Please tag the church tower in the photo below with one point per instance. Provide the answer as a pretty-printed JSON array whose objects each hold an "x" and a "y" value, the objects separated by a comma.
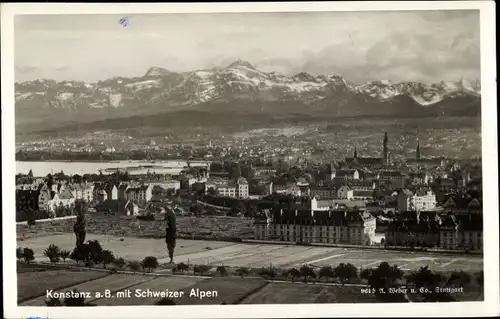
[
  {"x": 386, "y": 150},
  {"x": 418, "y": 151}
]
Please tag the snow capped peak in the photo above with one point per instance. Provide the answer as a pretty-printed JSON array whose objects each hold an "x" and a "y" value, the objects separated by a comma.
[
  {"x": 240, "y": 63},
  {"x": 304, "y": 76},
  {"x": 157, "y": 71}
]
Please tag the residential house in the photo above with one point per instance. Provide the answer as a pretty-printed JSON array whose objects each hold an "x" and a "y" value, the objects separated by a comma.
[
  {"x": 420, "y": 200},
  {"x": 396, "y": 178},
  {"x": 110, "y": 189},
  {"x": 463, "y": 206},
  {"x": 122, "y": 190},
  {"x": 351, "y": 174},
  {"x": 139, "y": 194},
  {"x": 26, "y": 200},
  {"x": 345, "y": 192},
  {"x": 64, "y": 198},
  {"x": 132, "y": 209},
  {"x": 266, "y": 170},
  {"x": 362, "y": 194},
  {"x": 420, "y": 179},
  {"x": 44, "y": 197},
  {"x": 289, "y": 189},
  {"x": 323, "y": 192}
]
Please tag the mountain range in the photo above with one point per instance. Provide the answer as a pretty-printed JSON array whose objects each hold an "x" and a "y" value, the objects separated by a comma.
[{"x": 238, "y": 89}]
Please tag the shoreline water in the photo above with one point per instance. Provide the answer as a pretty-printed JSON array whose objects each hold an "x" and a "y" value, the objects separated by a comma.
[{"x": 43, "y": 168}]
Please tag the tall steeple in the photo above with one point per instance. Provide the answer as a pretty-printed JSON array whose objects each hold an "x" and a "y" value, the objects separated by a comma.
[
  {"x": 355, "y": 152},
  {"x": 386, "y": 150},
  {"x": 418, "y": 151}
]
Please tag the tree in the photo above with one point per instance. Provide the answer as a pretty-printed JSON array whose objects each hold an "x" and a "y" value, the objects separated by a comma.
[
  {"x": 182, "y": 267},
  {"x": 19, "y": 254},
  {"x": 242, "y": 271},
  {"x": 80, "y": 253},
  {"x": 65, "y": 254},
  {"x": 134, "y": 265},
  {"x": 384, "y": 277},
  {"x": 201, "y": 269},
  {"x": 424, "y": 278},
  {"x": 306, "y": 272},
  {"x": 76, "y": 300},
  {"x": 119, "y": 262},
  {"x": 77, "y": 179},
  {"x": 30, "y": 174},
  {"x": 149, "y": 263},
  {"x": 28, "y": 255},
  {"x": 365, "y": 274},
  {"x": 53, "y": 302},
  {"x": 345, "y": 272},
  {"x": 326, "y": 272},
  {"x": 52, "y": 252},
  {"x": 106, "y": 257},
  {"x": 480, "y": 278},
  {"x": 165, "y": 302},
  {"x": 294, "y": 273},
  {"x": 222, "y": 271},
  {"x": 459, "y": 278},
  {"x": 94, "y": 250}
]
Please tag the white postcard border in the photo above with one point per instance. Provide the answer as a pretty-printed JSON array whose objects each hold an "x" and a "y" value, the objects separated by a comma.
[{"x": 490, "y": 306}]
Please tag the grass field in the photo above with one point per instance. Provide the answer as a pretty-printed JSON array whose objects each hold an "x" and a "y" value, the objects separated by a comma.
[
  {"x": 257, "y": 255},
  {"x": 35, "y": 284},
  {"x": 293, "y": 293}
]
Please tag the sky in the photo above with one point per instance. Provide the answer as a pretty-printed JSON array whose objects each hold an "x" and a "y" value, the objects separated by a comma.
[{"x": 425, "y": 46}]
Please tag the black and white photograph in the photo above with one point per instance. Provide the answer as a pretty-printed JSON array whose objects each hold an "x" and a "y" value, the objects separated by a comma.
[{"x": 248, "y": 157}]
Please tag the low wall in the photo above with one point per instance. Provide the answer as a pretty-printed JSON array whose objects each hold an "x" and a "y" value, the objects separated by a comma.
[
  {"x": 212, "y": 206},
  {"x": 47, "y": 220}
]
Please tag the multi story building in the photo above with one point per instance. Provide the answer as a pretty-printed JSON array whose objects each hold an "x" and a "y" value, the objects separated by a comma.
[
  {"x": 463, "y": 206},
  {"x": 44, "y": 197},
  {"x": 110, "y": 189},
  {"x": 420, "y": 200},
  {"x": 396, "y": 178},
  {"x": 62, "y": 199},
  {"x": 323, "y": 192},
  {"x": 305, "y": 226},
  {"x": 416, "y": 229},
  {"x": 345, "y": 192},
  {"x": 140, "y": 194},
  {"x": 463, "y": 232},
  {"x": 290, "y": 189},
  {"x": 236, "y": 189}
]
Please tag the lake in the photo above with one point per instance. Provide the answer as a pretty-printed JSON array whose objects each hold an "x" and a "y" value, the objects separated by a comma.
[{"x": 71, "y": 168}]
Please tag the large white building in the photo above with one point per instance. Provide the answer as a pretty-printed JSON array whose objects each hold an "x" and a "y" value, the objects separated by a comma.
[
  {"x": 421, "y": 200},
  {"x": 238, "y": 189},
  {"x": 307, "y": 226}
]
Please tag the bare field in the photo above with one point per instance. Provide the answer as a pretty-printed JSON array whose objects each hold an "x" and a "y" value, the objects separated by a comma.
[
  {"x": 258, "y": 255},
  {"x": 187, "y": 226}
]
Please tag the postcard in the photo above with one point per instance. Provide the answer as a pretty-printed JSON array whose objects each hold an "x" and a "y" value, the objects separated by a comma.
[{"x": 249, "y": 160}]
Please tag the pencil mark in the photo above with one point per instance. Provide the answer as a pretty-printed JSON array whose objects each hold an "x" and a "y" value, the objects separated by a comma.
[{"x": 124, "y": 21}]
